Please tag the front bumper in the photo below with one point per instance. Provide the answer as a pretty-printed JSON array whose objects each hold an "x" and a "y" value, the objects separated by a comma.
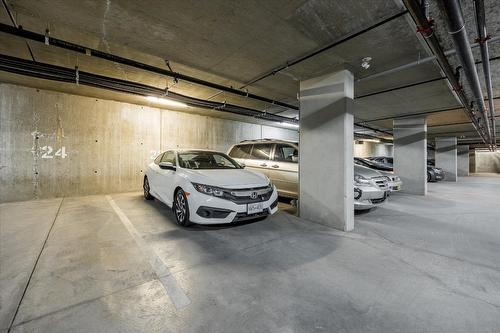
[
  {"x": 370, "y": 197},
  {"x": 225, "y": 211},
  {"x": 395, "y": 186}
]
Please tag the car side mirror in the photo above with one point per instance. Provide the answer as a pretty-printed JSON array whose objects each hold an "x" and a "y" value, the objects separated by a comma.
[
  {"x": 295, "y": 158},
  {"x": 167, "y": 166}
]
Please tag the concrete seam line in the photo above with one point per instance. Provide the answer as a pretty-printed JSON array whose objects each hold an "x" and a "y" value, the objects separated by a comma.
[
  {"x": 34, "y": 266},
  {"x": 174, "y": 291}
]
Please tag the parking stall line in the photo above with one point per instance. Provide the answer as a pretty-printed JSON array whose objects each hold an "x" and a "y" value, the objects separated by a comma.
[{"x": 174, "y": 291}]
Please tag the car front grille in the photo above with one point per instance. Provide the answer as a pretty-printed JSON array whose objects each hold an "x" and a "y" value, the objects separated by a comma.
[
  {"x": 381, "y": 182},
  {"x": 245, "y": 216},
  {"x": 376, "y": 201},
  {"x": 248, "y": 195}
]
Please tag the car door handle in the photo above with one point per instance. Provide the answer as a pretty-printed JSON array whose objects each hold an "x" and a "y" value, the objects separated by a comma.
[
  {"x": 263, "y": 165},
  {"x": 275, "y": 166}
]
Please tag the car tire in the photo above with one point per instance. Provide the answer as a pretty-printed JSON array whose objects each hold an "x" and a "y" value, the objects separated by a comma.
[
  {"x": 181, "y": 208},
  {"x": 146, "y": 188},
  {"x": 428, "y": 177}
]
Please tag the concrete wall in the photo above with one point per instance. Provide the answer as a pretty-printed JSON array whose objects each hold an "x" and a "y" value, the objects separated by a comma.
[
  {"x": 368, "y": 149},
  {"x": 486, "y": 161},
  {"x": 107, "y": 143}
]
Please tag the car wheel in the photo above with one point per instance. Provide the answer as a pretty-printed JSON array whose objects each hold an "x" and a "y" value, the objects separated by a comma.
[
  {"x": 146, "y": 188},
  {"x": 181, "y": 208},
  {"x": 428, "y": 177}
]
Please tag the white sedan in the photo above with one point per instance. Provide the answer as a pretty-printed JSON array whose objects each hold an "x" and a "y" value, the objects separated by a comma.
[{"x": 208, "y": 187}]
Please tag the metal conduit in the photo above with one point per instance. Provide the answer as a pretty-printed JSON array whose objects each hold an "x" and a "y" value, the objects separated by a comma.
[
  {"x": 419, "y": 62},
  {"x": 485, "y": 57},
  {"x": 456, "y": 25},
  {"x": 132, "y": 63},
  {"x": 69, "y": 75}
]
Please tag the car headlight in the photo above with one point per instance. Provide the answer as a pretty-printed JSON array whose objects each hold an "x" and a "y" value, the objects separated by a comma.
[
  {"x": 209, "y": 190},
  {"x": 396, "y": 178},
  {"x": 360, "y": 180},
  {"x": 357, "y": 193}
]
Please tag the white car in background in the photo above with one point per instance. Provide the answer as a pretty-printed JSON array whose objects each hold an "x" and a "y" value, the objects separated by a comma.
[
  {"x": 371, "y": 188},
  {"x": 208, "y": 187}
]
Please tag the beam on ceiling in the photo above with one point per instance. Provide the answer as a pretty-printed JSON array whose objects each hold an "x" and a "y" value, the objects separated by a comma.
[
  {"x": 136, "y": 64},
  {"x": 401, "y": 87},
  {"x": 325, "y": 48}
]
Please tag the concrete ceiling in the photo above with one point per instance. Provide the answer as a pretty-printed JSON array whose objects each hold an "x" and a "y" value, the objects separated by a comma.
[{"x": 234, "y": 42}]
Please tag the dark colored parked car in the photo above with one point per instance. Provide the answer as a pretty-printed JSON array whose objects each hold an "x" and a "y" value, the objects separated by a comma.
[
  {"x": 372, "y": 164},
  {"x": 433, "y": 174}
]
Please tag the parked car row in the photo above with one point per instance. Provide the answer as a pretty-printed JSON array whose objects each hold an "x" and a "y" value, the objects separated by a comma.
[
  {"x": 278, "y": 159},
  {"x": 433, "y": 174},
  {"x": 209, "y": 187}
]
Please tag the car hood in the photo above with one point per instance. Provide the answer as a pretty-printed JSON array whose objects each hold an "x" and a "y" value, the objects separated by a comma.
[
  {"x": 229, "y": 178},
  {"x": 387, "y": 173},
  {"x": 365, "y": 172}
]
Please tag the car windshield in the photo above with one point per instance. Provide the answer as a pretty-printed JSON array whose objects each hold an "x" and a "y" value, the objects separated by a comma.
[{"x": 206, "y": 160}]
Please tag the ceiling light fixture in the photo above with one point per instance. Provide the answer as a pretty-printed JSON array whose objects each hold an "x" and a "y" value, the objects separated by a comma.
[
  {"x": 365, "y": 62},
  {"x": 290, "y": 125},
  {"x": 166, "y": 101}
]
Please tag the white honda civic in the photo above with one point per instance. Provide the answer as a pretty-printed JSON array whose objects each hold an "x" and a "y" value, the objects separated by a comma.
[{"x": 208, "y": 187}]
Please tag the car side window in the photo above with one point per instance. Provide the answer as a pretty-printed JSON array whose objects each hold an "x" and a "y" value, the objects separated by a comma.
[
  {"x": 158, "y": 159},
  {"x": 169, "y": 156},
  {"x": 241, "y": 151},
  {"x": 261, "y": 151},
  {"x": 285, "y": 153}
]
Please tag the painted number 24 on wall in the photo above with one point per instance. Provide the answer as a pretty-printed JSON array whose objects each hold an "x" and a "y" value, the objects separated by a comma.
[{"x": 48, "y": 152}]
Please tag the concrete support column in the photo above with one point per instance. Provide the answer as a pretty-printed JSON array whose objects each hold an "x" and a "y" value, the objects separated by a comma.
[
  {"x": 446, "y": 157},
  {"x": 326, "y": 169},
  {"x": 463, "y": 161},
  {"x": 410, "y": 154}
]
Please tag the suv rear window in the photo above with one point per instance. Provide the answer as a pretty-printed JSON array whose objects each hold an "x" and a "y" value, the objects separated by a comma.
[
  {"x": 241, "y": 151},
  {"x": 285, "y": 153}
]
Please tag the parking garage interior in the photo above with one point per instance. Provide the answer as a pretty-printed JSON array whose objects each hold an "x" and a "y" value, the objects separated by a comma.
[{"x": 92, "y": 93}]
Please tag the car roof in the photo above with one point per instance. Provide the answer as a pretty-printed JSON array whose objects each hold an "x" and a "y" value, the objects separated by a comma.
[
  {"x": 268, "y": 141},
  {"x": 186, "y": 150}
]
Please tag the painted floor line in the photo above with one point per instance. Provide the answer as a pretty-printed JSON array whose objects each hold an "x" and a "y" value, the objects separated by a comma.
[{"x": 174, "y": 291}]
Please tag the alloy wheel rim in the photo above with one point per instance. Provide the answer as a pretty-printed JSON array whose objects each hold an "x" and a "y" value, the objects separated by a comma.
[{"x": 180, "y": 207}]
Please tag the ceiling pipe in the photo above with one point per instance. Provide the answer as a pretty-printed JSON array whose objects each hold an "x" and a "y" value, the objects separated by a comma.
[
  {"x": 418, "y": 62},
  {"x": 485, "y": 57},
  {"x": 69, "y": 75},
  {"x": 456, "y": 25},
  {"x": 20, "y": 32},
  {"x": 425, "y": 27}
]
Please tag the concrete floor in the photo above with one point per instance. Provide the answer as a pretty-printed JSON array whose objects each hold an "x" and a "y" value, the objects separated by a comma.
[{"x": 119, "y": 264}]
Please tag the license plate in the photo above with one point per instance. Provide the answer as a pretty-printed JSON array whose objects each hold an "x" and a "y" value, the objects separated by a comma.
[{"x": 253, "y": 208}]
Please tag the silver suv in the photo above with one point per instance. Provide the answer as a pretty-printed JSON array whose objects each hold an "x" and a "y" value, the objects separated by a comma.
[{"x": 278, "y": 160}]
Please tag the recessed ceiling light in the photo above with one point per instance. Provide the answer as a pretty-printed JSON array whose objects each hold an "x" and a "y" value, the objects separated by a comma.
[{"x": 166, "y": 101}]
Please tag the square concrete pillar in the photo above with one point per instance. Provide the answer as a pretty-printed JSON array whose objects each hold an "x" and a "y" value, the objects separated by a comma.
[
  {"x": 326, "y": 167},
  {"x": 446, "y": 157},
  {"x": 463, "y": 161},
  {"x": 410, "y": 154}
]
